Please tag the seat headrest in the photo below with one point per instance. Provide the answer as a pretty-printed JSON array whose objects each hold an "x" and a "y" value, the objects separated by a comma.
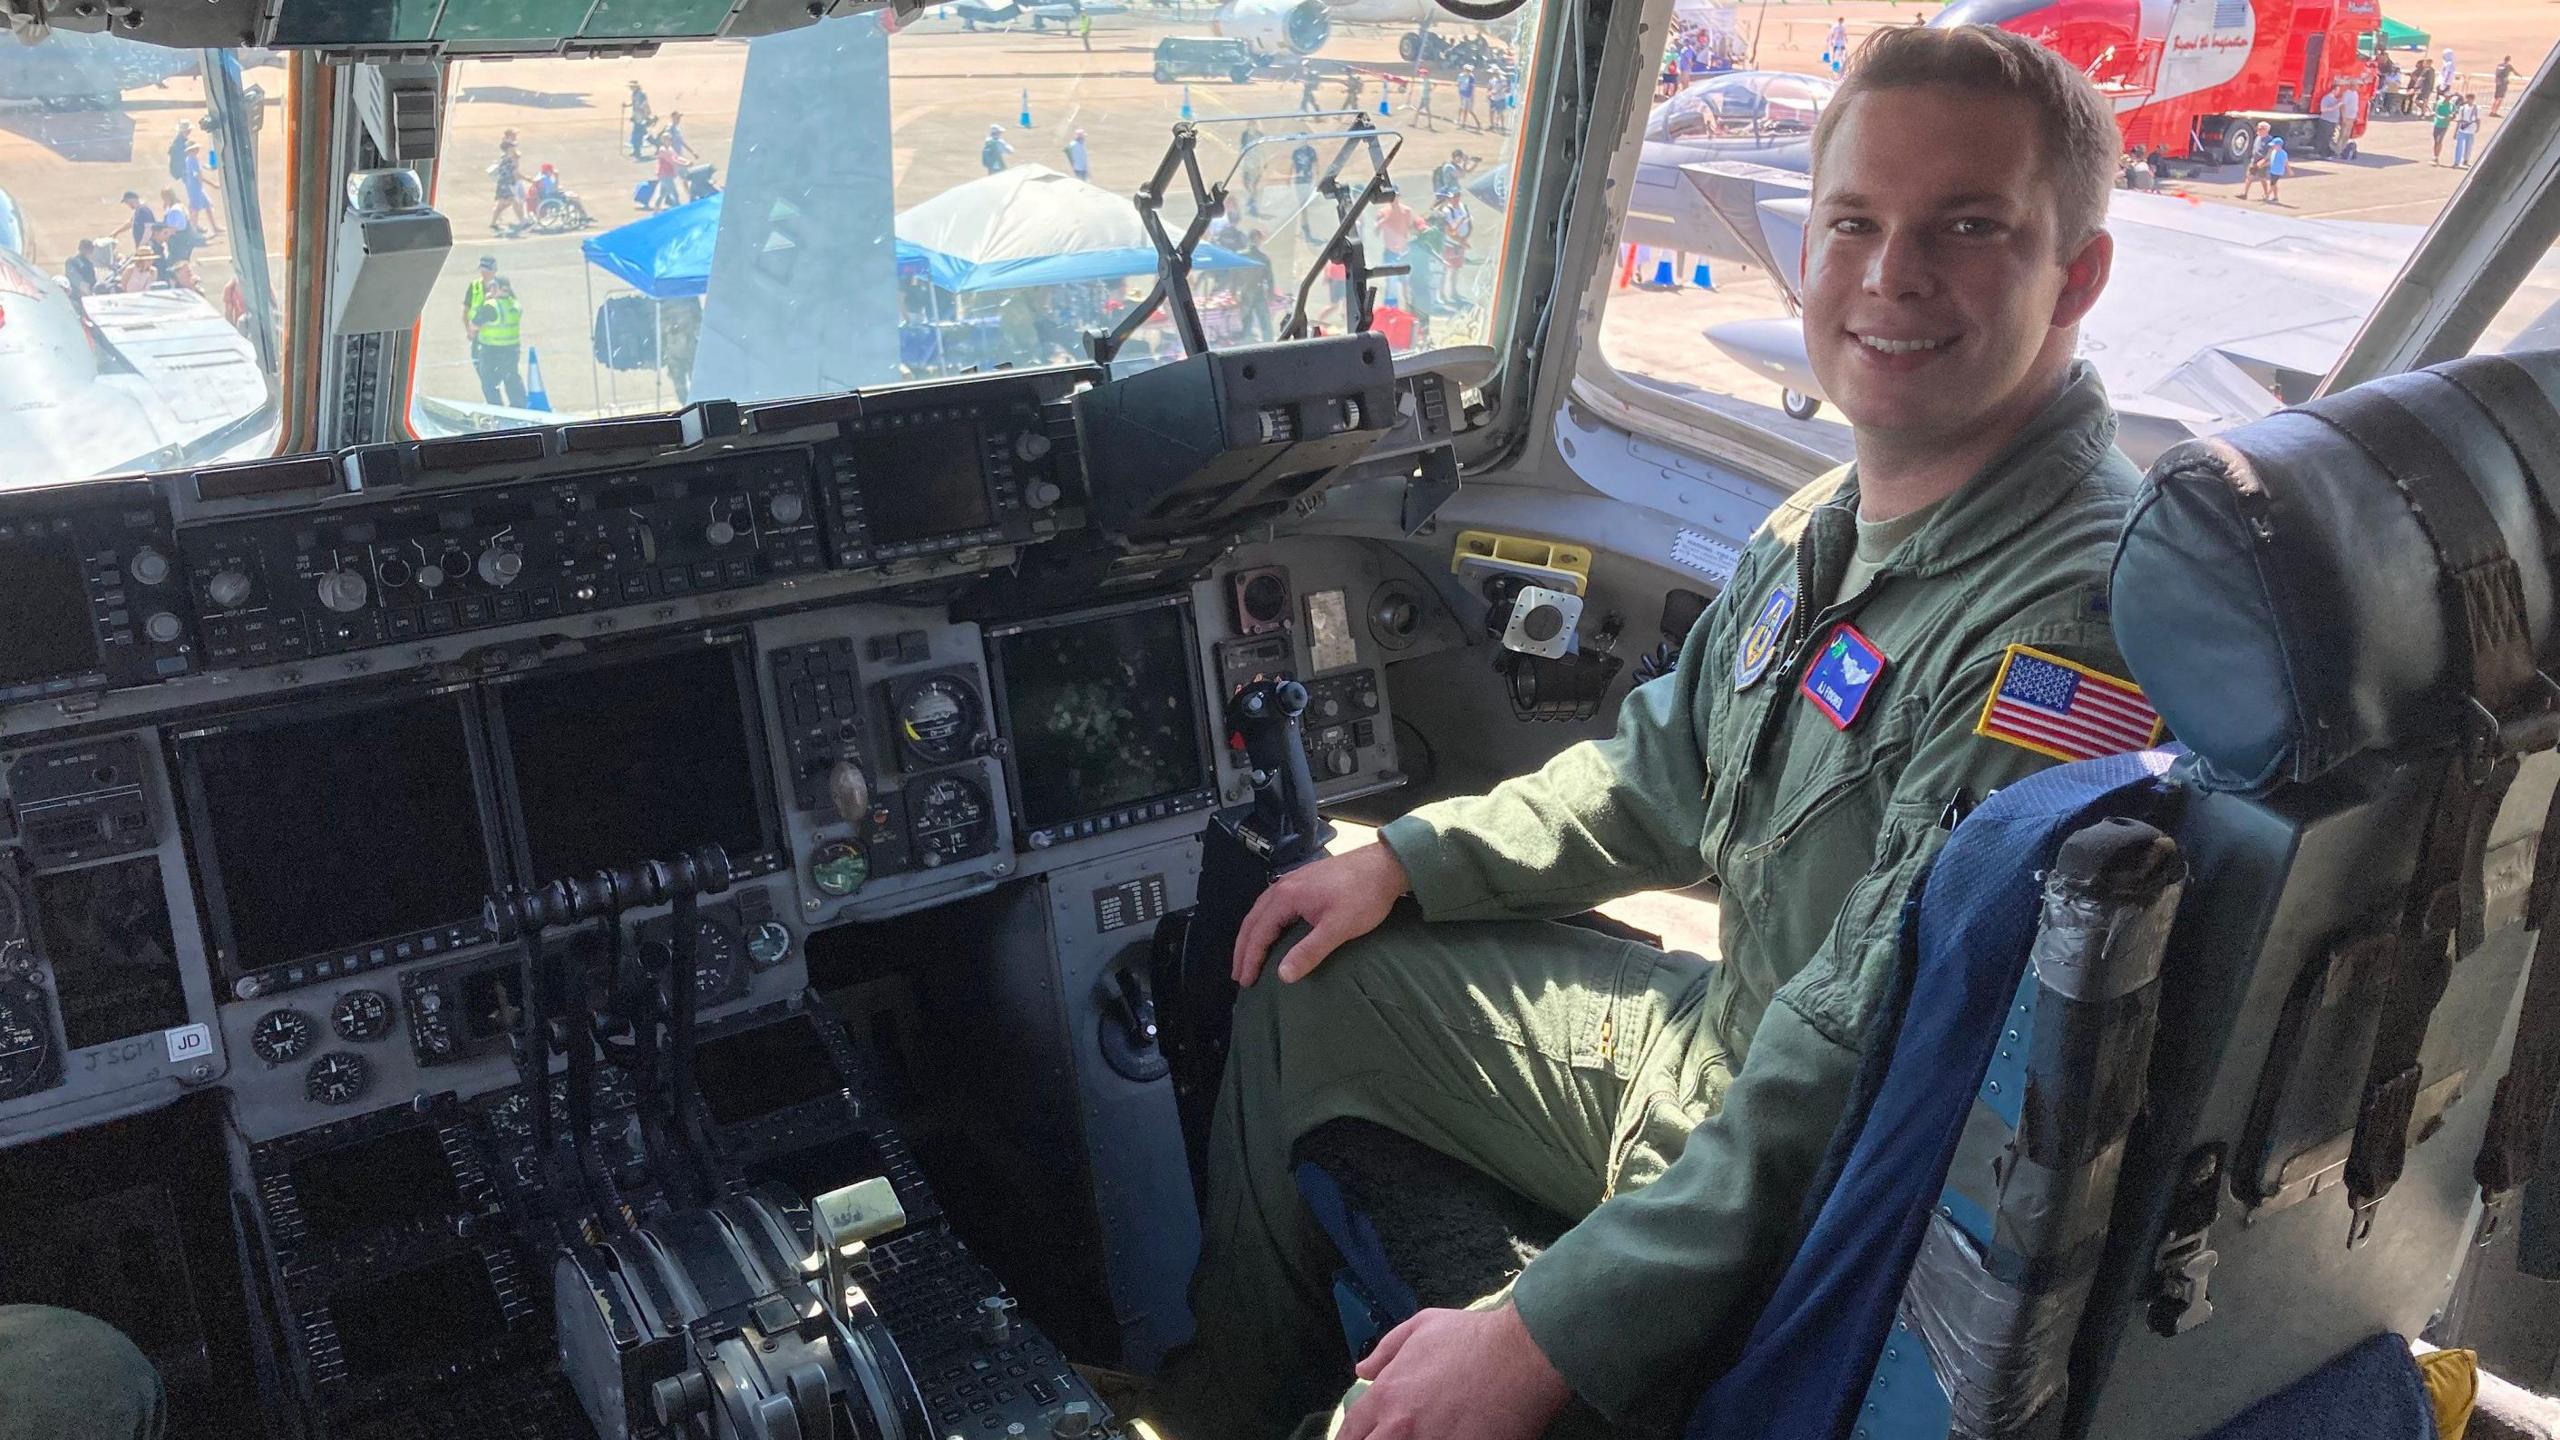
[{"x": 2284, "y": 603}]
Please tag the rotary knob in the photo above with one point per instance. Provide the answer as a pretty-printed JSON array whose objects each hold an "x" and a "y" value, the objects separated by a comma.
[
  {"x": 1331, "y": 708},
  {"x": 431, "y": 577},
  {"x": 719, "y": 533},
  {"x": 149, "y": 567},
  {"x": 164, "y": 628},
  {"x": 1366, "y": 699},
  {"x": 787, "y": 508},
  {"x": 1031, "y": 445},
  {"x": 1040, "y": 494},
  {"x": 1340, "y": 762},
  {"x": 500, "y": 567},
  {"x": 345, "y": 591},
  {"x": 456, "y": 565},
  {"x": 228, "y": 589}
]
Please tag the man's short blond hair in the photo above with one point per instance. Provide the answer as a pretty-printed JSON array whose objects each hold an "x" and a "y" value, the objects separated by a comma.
[{"x": 2071, "y": 117}]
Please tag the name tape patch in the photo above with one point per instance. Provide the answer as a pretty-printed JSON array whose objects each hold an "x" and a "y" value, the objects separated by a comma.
[{"x": 1842, "y": 677}]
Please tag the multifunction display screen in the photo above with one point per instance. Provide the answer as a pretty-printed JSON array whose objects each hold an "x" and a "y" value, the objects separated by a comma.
[
  {"x": 331, "y": 830},
  {"x": 1103, "y": 713},
  {"x": 923, "y": 481},
  {"x": 644, "y": 760},
  {"x": 49, "y": 631}
]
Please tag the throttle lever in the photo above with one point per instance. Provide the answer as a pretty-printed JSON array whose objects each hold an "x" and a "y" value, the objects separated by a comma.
[{"x": 1264, "y": 718}]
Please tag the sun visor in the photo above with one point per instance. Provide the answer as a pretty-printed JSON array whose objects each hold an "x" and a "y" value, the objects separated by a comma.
[{"x": 2280, "y": 596}]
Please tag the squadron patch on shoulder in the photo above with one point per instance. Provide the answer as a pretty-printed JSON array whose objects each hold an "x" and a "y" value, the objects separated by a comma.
[
  {"x": 1760, "y": 642},
  {"x": 1840, "y": 679},
  {"x": 2064, "y": 709}
]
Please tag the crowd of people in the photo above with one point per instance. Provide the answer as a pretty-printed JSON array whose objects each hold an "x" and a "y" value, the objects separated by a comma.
[{"x": 157, "y": 243}]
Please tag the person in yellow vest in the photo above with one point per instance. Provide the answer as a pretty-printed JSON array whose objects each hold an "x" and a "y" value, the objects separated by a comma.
[{"x": 497, "y": 344}]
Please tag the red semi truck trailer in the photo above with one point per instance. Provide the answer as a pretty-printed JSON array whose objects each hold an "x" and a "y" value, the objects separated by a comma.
[{"x": 2196, "y": 76}]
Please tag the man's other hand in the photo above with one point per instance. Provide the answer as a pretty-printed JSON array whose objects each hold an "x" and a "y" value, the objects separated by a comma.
[
  {"x": 1457, "y": 1375},
  {"x": 1342, "y": 896}
]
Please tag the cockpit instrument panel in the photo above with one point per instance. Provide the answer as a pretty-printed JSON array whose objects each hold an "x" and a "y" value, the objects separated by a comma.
[
  {"x": 95, "y": 598},
  {"x": 1106, "y": 720},
  {"x": 946, "y": 467},
  {"x": 354, "y": 575}
]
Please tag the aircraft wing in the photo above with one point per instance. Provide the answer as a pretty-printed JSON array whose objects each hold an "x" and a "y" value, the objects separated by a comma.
[{"x": 160, "y": 379}]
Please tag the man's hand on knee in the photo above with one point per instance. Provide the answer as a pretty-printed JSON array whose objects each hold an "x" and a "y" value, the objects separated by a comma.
[
  {"x": 1342, "y": 897},
  {"x": 1457, "y": 1375}
]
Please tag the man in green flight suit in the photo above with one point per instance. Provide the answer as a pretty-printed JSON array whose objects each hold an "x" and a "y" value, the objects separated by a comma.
[{"x": 1904, "y": 636}]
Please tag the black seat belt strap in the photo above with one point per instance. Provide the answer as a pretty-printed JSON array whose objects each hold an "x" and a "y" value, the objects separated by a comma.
[
  {"x": 2511, "y": 1148},
  {"x": 2444, "y": 915}
]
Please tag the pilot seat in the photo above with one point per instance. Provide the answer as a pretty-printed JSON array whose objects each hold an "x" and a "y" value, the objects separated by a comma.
[{"x": 2204, "y": 1078}]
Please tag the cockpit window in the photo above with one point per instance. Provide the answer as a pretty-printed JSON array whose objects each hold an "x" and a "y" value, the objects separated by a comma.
[
  {"x": 2278, "y": 165},
  {"x": 858, "y": 203},
  {"x": 141, "y": 256}
]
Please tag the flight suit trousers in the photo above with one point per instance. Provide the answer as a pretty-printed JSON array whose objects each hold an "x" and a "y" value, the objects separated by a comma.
[
  {"x": 1564, "y": 1063},
  {"x": 66, "y": 1376}
]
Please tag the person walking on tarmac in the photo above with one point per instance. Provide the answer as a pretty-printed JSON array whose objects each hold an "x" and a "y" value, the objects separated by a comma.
[
  {"x": 2442, "y": 115},
  {"x": 642, "y": 117},
  {"x": 1824, "y": 722},
  {"x": 497, "y": 344},
  {"x": 993, "y": 154},
  {"x": 2499, "y": 80},
  {"x": 1084, "y": 30}
]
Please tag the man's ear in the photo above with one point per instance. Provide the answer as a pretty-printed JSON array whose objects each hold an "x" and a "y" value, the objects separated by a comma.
[{"x": 2084, "y": 279}]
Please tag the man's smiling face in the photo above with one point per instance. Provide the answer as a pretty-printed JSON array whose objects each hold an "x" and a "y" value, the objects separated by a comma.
[{"x": 1935, "y": 276}]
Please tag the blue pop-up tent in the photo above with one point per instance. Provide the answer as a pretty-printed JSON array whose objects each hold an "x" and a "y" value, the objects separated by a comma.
[{"x": 664, "y": 255}]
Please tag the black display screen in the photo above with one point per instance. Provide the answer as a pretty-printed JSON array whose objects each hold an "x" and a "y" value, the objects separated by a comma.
[
  {"x": 105, "y": 931},
  {"x": 752, "y": 1074},
  {"x": 340, "y": 828},
  {"x": 639, "y": 761},
  {"x": 390, "y": 1181},
  {"x": 49, "y": 631},
  {"x": 418, "y": 1318},
  {"x": 923, "y": 481},
  {"x": 1103, "y": 714}
]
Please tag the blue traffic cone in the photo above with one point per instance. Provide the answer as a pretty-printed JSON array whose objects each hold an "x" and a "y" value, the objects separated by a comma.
[
  {"x": 1702, "y": 277},
  {"x": 1026, "y": 109},
  {"x": 535, "y": 396},
  {"x": 1383, "y": 107},
  {"x": 1662, "y": 276},
  {"x": 1186, "y": 102}
]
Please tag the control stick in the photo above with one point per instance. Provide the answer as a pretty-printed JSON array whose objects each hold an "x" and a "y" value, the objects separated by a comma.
[{"x": 1263, "y": 720}]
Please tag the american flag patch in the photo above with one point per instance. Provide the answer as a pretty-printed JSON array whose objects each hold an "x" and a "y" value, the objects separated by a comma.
[{"x": 2068, "y": 711}]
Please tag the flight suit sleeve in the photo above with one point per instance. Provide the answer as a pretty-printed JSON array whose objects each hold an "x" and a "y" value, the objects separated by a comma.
[
  {"x": 1655, "y": 1291},
  {"x": 1602, "y": 819}
]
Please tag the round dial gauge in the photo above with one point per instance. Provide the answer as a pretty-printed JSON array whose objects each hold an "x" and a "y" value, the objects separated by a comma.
[
  {"x": 337, "y": 1078},
  {"x": 938, "y": 720},
  {"x": 769, "y": 944},
  {"x": 361, "y": 1015},
  {"x": 281, "y": 1036},
  {"x": 26, "y": 1038},
  {"x": 949, "y": 817},
  {"x": 512, "y": 1118},
  {"x": 715, "y": 959},
  {"x": 839, "y": 867}
]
